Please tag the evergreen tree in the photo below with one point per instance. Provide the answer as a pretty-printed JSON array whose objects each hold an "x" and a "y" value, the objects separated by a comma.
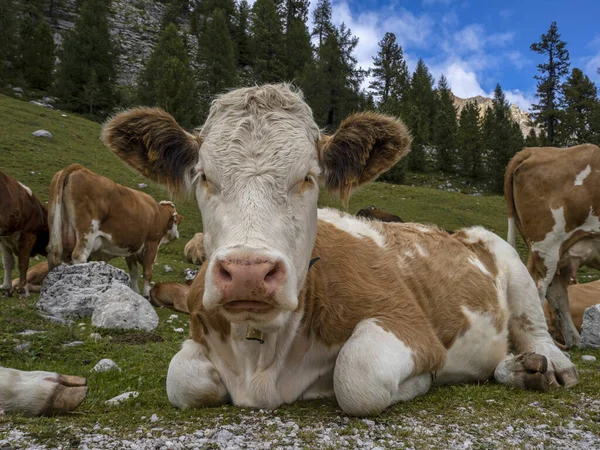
[
  {"x": 36, "y": 49},
  {"x": 268, "y": 42},
  {"x": 390, "y": 75},
  {"x": 322, "y": 21},
  {"x": 175, "y": 11},
  {"x": 219, "y": 66},
  {"x": 443, "y": 134},
  {"x": 8, "y": 41},
  {"x": 580, "y": 99},
  {"x": 503, "y": 139},
  {"x": 418, "y": 113},
  {"x": 88, "y": 49},
  {"x": 469, "y": 140},
  {"x": 242, "y": 40},
  {"x": 555, "y": 67},
  {"x": 297, "y": 49},
  {"x": 532, "y": 139},
  {"x": 167, "y": 80}
]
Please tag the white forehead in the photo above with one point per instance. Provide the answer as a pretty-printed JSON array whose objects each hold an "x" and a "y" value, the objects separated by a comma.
[{"x": 266, "y": 130}]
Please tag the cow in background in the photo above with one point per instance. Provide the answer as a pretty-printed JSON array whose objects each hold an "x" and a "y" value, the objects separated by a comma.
[
  {"x": 370, "y": 212},
  {"x": 194, "y": 250},
  {"x": 23, "y": 230},
  {"x": 388, "y": 310},
  {"x": 35, "y": 277},
  {"x": 553, "y": 199},
  {"x": 92, "y": 218},
  {"x": 170, "y": 294}
]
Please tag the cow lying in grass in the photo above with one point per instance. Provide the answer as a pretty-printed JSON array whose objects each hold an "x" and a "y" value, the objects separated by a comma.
[
  {"x": 388, "y": 310},
  {"x": 35, "y": 277},
  {"x": 194, "y": 251},
  {"x": 171, "y": 295}
]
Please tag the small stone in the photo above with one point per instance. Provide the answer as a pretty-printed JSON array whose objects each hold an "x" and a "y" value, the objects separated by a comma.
[
  {"x": 22, "y": 347},
  {"x": 30, "y": 332},
  {"x": 178, "y": 330},
  {"x": 121, "y": 398},
  {"x": 73, "y": 344},
  {"x": 43, "y": 133},
  {"x": 96, "y": 337},
  {"x": 168, "y": 268},
  {"x": 63, "y": 115},
  {"x": 104, "y": 365},
  {"x": 173, "y": 316},
  {"x": 154, "y": 418},
  {"x": 18, "y": 89},
  {"x": 368, "y": 422},
  {"x": 142, "y": 185},
  {"x": 588, "y": 358}
]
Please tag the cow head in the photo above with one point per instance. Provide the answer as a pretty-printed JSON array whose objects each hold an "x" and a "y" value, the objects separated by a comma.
[
  {"x": 256, "y": 167},
  {"x": 174, "y": 219}
]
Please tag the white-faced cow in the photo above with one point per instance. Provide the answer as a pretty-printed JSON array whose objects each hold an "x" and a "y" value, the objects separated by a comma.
[
  {"x": 553, "y": 200},
  {"x": 23, "y": 230},
  {"x": 388, "y": 311},
  {"x": 94, "y": 218}
]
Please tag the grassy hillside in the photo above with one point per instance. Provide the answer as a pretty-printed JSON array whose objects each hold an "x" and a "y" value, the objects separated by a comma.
[{"x": 485, "y": 416}]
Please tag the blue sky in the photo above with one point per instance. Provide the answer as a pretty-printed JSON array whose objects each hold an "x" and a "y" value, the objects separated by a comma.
[{"x": 476, "y": 43}]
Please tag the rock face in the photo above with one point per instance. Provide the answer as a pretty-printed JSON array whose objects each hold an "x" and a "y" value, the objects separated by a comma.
[
  {"x": 99, "y": 290},
  {"x": 521, "y": 117},
  {"x": 590, "y": 329},
  {"x": 120, "y": 307},
  {"x": 42, "y": 133}
]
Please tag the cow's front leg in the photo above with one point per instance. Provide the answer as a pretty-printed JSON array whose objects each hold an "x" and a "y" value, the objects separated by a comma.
[
  {"x": 148, "y": 259},
  {"x": 374, "y": 370},
  {"x": 193, "y": 380},
  {"x": 26, "y": 243},
  {"x": 8, "y": 261},
  {"x": 558, "y": 298},
  {"x": 134, "y": 273}
]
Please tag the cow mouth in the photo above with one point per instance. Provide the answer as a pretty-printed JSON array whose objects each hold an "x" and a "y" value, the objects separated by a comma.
[{"x": 247, "y": 306}]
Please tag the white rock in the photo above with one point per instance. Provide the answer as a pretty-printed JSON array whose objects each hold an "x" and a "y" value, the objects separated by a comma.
[
  {"x": 178, "y": 330},
  {"x": 120, "y": 307},
  {"x": 104, "y": 365},
  {"x": 43, "y": 133},
  {"x": 73, "y": 344},
  {"x": 22, "y": 347},
  {"x": 121, "y": 398},
  {"x": 96, "y": 337},
  {"x": 18, "y": 89},
  {"x": 588, "y": 358},
  {"x": 43, "y": 104},
  {"x": 173, "y": 316},
  {"x": 64, "y": 115},
  {"x": 30, "y": 332},
  {"x": 590, "y": 329},
  {"x": 168, "y": 268},
  {"x": 154, "y": 418},
  {"x": 142, "y": 185}
]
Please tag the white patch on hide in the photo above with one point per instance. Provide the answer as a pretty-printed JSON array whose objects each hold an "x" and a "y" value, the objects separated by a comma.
[
  {"x": 582, "y": 175},
  {"x": 357, "y": 227}
]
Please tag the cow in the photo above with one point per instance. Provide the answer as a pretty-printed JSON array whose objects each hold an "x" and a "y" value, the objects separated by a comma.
[
  {"x": 193, "y": 250},
  {"x": 553, "y": 200},
  {"x": 295, "y": 302},
  {"x": 170, "y": 294},
  {"x": 36, "y": 393},
  {"x": 23, "y": 231},
  {"x": 34, "y": 278},
  {"x": 93, "y": 218},
  {"x": 581, "y": 297},
  {"x": 370, "y": 212}
]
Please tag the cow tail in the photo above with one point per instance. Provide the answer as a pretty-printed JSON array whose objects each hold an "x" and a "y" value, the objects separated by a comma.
[
  {"x": 514, "y": 223},
  {"x": 58, "y": 216}
]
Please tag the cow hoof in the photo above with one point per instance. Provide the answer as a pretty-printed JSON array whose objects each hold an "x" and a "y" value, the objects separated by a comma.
[
  {"x": 69, "y": 394},
  {"x": 526, "y": 371},
  {"x": 6, "y": 292}
]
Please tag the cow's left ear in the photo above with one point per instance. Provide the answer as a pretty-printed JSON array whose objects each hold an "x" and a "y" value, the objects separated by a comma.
[
  {"x": 153, "y": 143},
  {"x": 364, "y": 146}
]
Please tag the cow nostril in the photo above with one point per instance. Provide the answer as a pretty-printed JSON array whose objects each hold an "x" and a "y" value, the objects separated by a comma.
[
  {"x": 273, "y": 274},
  {"x": 224, "y": 274}
]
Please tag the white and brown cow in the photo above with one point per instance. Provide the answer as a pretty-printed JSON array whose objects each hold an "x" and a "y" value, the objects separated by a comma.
[
  {"x": 170, "y": 294},
  {"x": 93, "y": 218},
  {"x": 389, "y": 309},
  {"x": 553, "y": 199},
  {"x": 23, "y": 230},
  {"x": 35, "y": 277},
  {"x": 194, "y": 250}
]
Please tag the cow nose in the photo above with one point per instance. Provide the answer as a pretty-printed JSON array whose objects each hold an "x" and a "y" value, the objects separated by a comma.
[{"x": 248, "y": 279}]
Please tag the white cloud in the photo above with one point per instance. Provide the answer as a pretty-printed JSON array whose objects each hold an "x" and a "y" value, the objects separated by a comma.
[
  {"x": 517, "y": 59},
  {"x": 522, "y": 100}
]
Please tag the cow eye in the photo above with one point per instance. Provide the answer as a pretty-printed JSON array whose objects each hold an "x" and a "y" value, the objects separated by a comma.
[
  {"x": 203, "y": 177},
  {"x": 308, "y": 179}
]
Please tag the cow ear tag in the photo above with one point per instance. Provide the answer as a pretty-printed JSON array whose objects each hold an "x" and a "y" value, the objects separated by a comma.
[{"x": 255, "y": 335}]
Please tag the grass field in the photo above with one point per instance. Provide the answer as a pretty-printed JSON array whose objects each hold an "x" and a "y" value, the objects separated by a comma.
[{"x": 476, "y": 416}]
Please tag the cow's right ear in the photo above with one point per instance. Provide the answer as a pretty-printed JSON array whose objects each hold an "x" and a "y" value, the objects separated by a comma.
[{"x": 153, "y": 143}]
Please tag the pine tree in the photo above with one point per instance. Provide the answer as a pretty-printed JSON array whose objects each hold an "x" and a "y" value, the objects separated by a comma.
[
  {"x": 167, "y": 80},
  {"x": 503, "y": 139},
  {"x": 219, "y": 66},
  {"x": 390, "y": 75},
  {"x": 418, "y": 113},
  {"x": 36, "y": 49},
  {"x": 241, "y": 37},
  {"x": 555, "y": 67},
  {"x": 175, "y": 11},
  {"x": 580, "y": 99},
  {"x": 469, "y": 140},
  {"x": 268, "y": 42},
  {"x": 532, "y": 139},
  {"x": 322, "y": 21},
  {"x": 88, "y": 48},
  {"x": 8, "y": 41},
  {"x": 443, "y": 134},
  {"x": 297, "y": 49}
]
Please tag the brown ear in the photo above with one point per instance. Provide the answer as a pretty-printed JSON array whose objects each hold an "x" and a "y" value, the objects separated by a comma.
[
  {"x": 153, "y": 143},
  {"x": 364, "y": 146}
]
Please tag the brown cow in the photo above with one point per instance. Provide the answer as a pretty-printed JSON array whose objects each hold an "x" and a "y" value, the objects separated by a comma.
[
  {"x": 94, "y": 218},
  {"x": 581, "y": 297},
  {"x": 553, "y": 199},
  {"x": 170, "y": 294},
  {"x": 194, "y": 250},
  {"x": 370, "y": 212},
  {"x": 35, "y": 277},
  {"x": 23, "y": 230}
]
